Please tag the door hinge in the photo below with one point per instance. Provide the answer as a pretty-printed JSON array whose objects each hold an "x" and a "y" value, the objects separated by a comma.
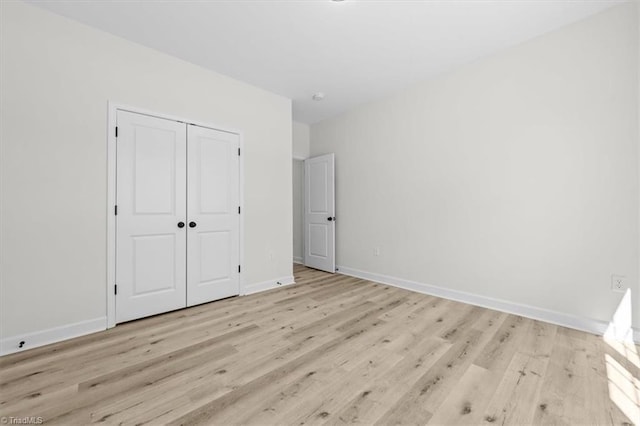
[
  {"x": 238, "y": 151},
  {"x": 115, "y": 289},
  {"x": 115, "y": 210},
  {"x": 238, "y": 209},
  {"x": 238, "y": 268},
  {"x": 116, "y": 131}
]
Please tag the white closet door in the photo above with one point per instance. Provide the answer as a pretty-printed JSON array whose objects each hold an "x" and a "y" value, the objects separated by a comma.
[
  {"x": 214, "y": 220},
  {"x": 151, "y": 203},
  {"x": 319, "y": 213}
]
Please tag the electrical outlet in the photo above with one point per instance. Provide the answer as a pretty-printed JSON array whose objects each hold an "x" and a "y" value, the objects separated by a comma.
[
  {"x": 618, "y": 283},
  {"x": 376, "y": 251}
]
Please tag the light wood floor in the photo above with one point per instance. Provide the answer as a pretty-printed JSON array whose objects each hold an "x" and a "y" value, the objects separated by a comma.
[{"x": 330, "y": 349}]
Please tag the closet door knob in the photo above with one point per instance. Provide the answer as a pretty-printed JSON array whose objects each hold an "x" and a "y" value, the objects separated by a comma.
[
  {"x": 192, "y": 224},
  {"x": 180, "y": 224}
]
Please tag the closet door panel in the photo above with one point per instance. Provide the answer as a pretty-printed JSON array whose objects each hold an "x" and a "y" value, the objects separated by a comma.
[
  {"x": 151, "y": 200},
  {"x": 214, "y": 220}
]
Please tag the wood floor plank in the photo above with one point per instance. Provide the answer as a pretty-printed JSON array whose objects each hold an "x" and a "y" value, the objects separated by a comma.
[
  {"x": 563, "y": 394},
  {"x": 329, "y": 349},
  {"x": 273, "y": 406},
  {"x": 598, "y": 378},
  {"x": 78, "y": 411},
  {"x": 429, "y": 391},
  {"x": 207, "y": 413},
  {"x": 520, "y": 384},
  {"x": 497, "y": 355},
  {"x": 466, "y": 403},
  {"x": 127, "y": 355},
  {"x": 320, "y": 407},
  {"x": 391, "y": 386}
]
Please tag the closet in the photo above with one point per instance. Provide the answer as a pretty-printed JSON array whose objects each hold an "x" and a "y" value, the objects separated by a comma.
[{"x": 177, "y": 215}]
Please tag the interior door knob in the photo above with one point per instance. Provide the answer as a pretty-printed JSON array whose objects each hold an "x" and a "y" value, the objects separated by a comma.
[
  {"x": 331, "y": 219},
  {"x": 180, "y": 224},
  {"x": 192, "y": 224}
]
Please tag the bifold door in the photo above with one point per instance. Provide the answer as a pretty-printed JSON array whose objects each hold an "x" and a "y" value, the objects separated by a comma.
[{"x": 177, "y": 241}]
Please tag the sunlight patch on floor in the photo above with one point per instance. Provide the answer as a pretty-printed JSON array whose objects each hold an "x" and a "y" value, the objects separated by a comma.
[{"x": 624, "y": 387}]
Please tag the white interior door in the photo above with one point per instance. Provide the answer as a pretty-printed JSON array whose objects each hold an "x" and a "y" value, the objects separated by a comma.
[
  {"x": 151, "y": 206},
  {"x": 213, "y": 215},
  {"x": 319, "y": 213}
]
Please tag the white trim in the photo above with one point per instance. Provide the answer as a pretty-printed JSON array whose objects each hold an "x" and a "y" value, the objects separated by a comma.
[
  {"x": 566, "y": 320},
  {"x": 241, "y": 202},
  {"x": 113, "y": 108},
  {"x": 111, "y": 218},
  {"x": 298, "y": 260},
  {"x": 268, "y": 285},
  {"x": 32, "y": 340},
  {"x": 118, "y": 106},
  {"x": 299, "y": 157}
]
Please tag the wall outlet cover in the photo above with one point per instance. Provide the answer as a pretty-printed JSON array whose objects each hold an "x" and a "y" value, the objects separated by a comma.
[{"x": 618, "y": 283}]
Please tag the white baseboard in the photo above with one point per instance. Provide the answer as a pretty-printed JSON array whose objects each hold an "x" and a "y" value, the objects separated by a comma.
[
  {"x": 32, "y": 340},
  {"x": 566, "y": 320},
  {"x": 268, "y": 285},
  {"x": 299, "y": 260}
]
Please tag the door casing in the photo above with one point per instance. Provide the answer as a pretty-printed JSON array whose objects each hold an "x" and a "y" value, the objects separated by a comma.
[{"x": 113, "y": 108}]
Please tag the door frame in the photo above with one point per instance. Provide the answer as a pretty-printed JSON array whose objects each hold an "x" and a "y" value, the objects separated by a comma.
[{"x": 112, "y": 113}]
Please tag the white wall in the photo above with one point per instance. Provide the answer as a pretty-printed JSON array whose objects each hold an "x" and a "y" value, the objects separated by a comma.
[
  {"x": 57, "y": 76},
  {"x": 298, "y": 209},
  {"x": 638, "y": 148},
  {"x": 513, "y": 178},
  {"x": 301, "y": 140},
  {"x": 301, "y": 149}
]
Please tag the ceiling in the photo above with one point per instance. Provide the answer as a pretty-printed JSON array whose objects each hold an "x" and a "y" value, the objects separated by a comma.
[{"x": 352, "y": 51}]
